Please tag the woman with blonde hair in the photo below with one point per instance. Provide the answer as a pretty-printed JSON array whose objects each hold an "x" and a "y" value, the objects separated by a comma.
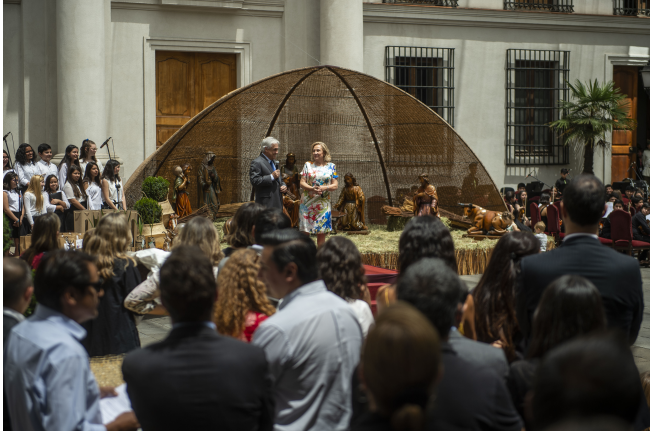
[
  {"x": 318, "y": 179},
  {"x": 37, "y": 201},
  {"x": 200, "y": 232},
  {"x": 114, "y": 330},
  {"x": 242, "y": 301},
  {"x": 400, "y": 367}
]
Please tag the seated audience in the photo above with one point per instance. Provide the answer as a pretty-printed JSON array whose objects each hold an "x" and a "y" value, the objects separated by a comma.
[
  {"x": 423, "y": 236},
  {"x": 470, "y": 396},
  {"x": 114, "y": 331},
  {"x": 25, "y": 165},
  {"x": 540, "y": 228},
  {"x": 582, "y": 254},
  {"x": 572, "y": 383},
  {"x": 521, "y": 187},
  {"x": 200, "y": 232},
  {"x": 47, "y": 379},
  {"x": 14, "y": 209},
  {"x": 312, "y": 343},
  {"x": 401, "y": 365},
  {"x": 641, "y": 230},
  {"x": 17, "y": 294},
  {"x": 608, "y": 191},
  {"x": 570, "y": 307},
  {"x": 495, "y": 321},
  {"x": 44, "y": 239},
  {"x": 242, "y": 227},
  {"x": 93, "y": 186},
  {"x": 45, "y": 168},
  {"x": 57, "y": 197},
  {"x": 37, "y": 201},
  {"x": 242, "y": 301},
  {"x": 605, "y": 229},
  {"x": 545, "y": 200},
  {"x": 637, "y": 203},
  {"x": 113, "y": 193},
  {"x": 340, "y": 266},
  {"x": 196, "y": 379}
]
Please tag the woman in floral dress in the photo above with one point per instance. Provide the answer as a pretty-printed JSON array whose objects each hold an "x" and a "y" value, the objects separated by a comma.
[{"x": 318, "y": 179}]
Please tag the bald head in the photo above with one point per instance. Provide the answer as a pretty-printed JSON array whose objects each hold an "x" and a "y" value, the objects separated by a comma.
[{"x": 17, "y": 279}]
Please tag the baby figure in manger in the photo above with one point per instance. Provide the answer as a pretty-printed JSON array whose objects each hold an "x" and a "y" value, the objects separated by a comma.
[{"x": 352, "y": 203}]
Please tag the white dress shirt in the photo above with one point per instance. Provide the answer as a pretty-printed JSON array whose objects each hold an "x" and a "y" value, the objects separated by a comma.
[
  {"x": 83, "y": 164},
  {"x": 47, "y": 169},
  {"x": 30, "y": 206},
  {"x": 70, "y": 193},
  {"x": 25, "y": 172},
  {"x": 94, "y": 193},
  {"x": 13, "y": 198}
]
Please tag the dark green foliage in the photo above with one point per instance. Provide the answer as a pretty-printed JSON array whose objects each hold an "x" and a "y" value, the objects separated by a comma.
[
  {"x": 397, "y": 223},
  {"x": 156, "y": 188},
  {"x": 6, "y": 239},
  {"x": 149, "y": 210}
]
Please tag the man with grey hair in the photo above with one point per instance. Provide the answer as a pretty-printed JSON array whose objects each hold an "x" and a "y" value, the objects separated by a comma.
[{"x": 264, "y": 175}]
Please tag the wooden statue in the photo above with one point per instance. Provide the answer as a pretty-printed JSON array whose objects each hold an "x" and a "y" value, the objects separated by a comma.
[
  {"x": 180, "y": 195},
  {"x": 209, "y": 183},
  {"x": 484, "y": 221},
  {"x": 352, "y": 203},
  {"x": 425, "y": 200},
  {"x": 290, "y": 174},
  {"x": 291, "y": 201}
]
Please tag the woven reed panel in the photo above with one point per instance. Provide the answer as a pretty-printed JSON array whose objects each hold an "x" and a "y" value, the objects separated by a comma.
[{"x": 379, "y": 133}]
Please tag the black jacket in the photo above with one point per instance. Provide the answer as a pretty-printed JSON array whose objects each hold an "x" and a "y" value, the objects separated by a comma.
[
  {"x": 267, "y": 191},
  {"x": 615, "y": 275},
  {"x": 196, "y": 379},
  {"x": 643, "y": 234}
]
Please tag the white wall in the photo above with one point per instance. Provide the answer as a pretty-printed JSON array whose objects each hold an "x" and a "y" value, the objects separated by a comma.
[{"x": 12, "y": 66}]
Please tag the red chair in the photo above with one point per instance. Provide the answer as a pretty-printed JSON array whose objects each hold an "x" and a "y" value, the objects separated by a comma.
[
  {"x": 557, "y": 205},
  {"x": 535, "y": 213},
  {"x": 377, "y": 277},
  {"x": 633, "y": 211},
  {"x": 621, "y": 230},
  {"x": 553, "y": 219}
]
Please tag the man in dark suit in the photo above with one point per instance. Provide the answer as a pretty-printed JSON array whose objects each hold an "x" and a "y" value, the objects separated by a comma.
[
  {"x": 264, "y": 175},
  {"x": 196, "y": 379},
  {"x": 17, "y": 288},
  {"x": 469, "y": 396},
  {"x": 616, "y": 276}
]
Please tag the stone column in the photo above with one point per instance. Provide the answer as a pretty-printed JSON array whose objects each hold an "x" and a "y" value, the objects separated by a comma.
[
  {"x": 341, "y": 33},
  {"x": 80, "y": 72}
]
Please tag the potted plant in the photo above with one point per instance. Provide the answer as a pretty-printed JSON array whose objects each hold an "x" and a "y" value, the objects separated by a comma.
[
  {"x": 150, "y": 213},
  {"x": 140, "y": 239},
  {"x": 157, "y": 188}
]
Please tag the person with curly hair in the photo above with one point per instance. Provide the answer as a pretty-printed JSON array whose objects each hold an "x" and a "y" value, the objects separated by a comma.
[
  {"x": 242, "y": 300},
  {"x": 25, "y": 166},
  {"x": 492, "y": 301},
  {"x": 340, "y": 266},
  {"x": 114, "y": 331},
  {"x": 423, "y": 236}
]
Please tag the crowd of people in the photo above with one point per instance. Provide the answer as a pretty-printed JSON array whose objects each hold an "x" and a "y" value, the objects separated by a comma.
[
  {"x": 273, "y": 332},
  {"x": 34, "y": 188}
]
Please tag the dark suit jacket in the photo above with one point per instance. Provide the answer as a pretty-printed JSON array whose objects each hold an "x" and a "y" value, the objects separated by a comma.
[
  {"x": 470, "y": 397},
  {"x": 615, "y": 275},
  {"x": 196, "y": 379},
  {"x": 8, "y": 322},
  {"x": 267, "y": 191},
  {"x": 643, "y": 234},
  {"x": 480, "y": 354}
]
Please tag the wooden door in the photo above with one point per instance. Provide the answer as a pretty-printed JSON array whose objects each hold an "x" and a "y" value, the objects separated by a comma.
[
  {"x": 625, "y": 78},
  {"x": 186, "y": 83}
]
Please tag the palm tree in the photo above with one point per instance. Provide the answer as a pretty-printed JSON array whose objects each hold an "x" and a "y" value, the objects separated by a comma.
[{"x": 596, "y": 111}]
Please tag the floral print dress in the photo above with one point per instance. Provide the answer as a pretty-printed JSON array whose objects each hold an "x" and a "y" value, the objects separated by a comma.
[{"x": 315, "y": 210}]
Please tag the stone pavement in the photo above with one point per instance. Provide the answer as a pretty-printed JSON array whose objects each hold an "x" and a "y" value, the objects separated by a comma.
[{"x": 155, "y": 328}]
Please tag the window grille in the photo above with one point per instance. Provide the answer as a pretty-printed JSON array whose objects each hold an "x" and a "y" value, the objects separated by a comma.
[
  {"x": 535, "y": 83},
  {"x": 632, "y": 7},
  {"x": 425, "y": 73},
  {"x": 540, "y": 5},
  {"x": 450, "y": 3}
]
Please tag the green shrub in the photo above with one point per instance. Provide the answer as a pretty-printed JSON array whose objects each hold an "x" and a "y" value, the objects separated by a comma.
[
  {"x": 149, "y": 210},
  {"x": 156, "y": 188},
  {"x": 6, "y": 238}
]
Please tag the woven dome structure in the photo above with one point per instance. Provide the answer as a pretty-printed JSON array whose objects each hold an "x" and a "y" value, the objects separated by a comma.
[{"x": 376, "y": 131}]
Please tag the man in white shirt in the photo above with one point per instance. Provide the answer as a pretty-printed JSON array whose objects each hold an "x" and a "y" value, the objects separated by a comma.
[
  {"x": 44, "y": 166},
  {"x": 312, "y": 343}
]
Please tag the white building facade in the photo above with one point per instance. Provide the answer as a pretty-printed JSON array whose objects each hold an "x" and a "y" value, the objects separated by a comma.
[{"x": 136, "y": 70}]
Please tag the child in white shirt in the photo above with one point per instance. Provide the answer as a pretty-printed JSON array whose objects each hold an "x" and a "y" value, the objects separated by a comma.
[{"x": 539, "y": 234}]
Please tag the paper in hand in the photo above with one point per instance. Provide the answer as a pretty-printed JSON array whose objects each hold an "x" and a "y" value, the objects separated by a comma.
[{"x": 112, "y": 407}]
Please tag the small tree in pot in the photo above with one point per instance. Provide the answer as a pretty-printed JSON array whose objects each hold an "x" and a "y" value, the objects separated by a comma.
[{"x": 156, "y": 188}]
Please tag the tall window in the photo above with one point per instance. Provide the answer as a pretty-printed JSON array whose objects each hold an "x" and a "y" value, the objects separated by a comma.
[
  {"x": 535, "y": 83},
  {"x": 451, "y": 3},
  {"x": 632, "y": 7},
  {"x": 540, "y": 5},
  {"x": 426, "y": 74}
]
